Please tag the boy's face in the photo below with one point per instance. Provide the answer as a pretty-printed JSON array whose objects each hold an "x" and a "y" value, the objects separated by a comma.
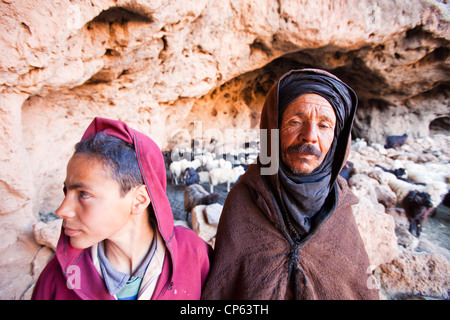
[{"x": 93, "y": 209}]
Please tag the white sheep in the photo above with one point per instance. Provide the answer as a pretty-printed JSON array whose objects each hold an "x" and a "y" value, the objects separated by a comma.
[
  {"x": 428, "y": 173},
  {"x": 401, "y": 188},
  {"x": 211, "y": 164},
  {"x": 251, "y": 159},
  {"x": 194, "y": 164},
  {"x": 203, "y": 177},
  {"x": 175, "y": 170},
  {"x": 381, "y": 176},
  {"x": 222, "y": 175},
  {"x": 225, "y": 164}
]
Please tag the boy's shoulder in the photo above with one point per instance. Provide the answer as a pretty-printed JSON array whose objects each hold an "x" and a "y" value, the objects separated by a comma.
[
  {"x": 188, "y": 238},
  {"x": 45, "y": 286}
]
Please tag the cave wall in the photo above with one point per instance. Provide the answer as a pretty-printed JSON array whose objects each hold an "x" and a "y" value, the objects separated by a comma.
[{"x": 162, "y": 65}]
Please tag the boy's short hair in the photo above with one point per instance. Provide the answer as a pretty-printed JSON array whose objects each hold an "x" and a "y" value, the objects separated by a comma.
[{"x": 119, "y": 157}]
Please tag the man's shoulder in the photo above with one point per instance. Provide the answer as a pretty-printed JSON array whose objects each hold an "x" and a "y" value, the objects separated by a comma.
[
  {"x": 239, "y": 196},
  {"x": 345, "y": 194},
  {"x": 250, "y": 180}
]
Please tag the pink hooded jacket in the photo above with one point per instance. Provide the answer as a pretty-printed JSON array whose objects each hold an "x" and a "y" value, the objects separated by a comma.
[{"x": 187, "y": 259}]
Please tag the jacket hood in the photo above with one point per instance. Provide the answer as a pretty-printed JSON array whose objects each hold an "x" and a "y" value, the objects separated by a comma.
[{"x": 151, "y": 163}]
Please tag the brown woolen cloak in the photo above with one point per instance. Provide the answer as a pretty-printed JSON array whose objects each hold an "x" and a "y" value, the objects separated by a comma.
[{"x": 255, "y": 256}]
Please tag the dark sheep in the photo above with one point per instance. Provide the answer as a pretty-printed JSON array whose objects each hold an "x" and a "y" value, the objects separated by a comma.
[
  {"x": 195, "y": 195},
  {"x": 446, "y": 200},
  {"x": 395, "y": 141},
  {"x": 167, "y": 155},
  {"x": 417, "y": 206},
  {"x": 191, "y": 176},
  {"x": 347, "y": 170},
  {"x": 401, "y": 174},
  {"x": 444, "y": 203}
]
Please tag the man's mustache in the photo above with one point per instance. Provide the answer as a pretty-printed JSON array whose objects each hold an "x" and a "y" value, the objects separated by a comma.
[{"x": 304, "y": 149}]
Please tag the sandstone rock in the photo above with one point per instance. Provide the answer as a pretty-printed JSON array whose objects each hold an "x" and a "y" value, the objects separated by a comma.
[
  {"x": 42, "y": 258},
  {"x": 181, "y": 223},
  {"x": 415, "y": 274},
  {"x": 212, "y": 214},
  {"x": 199, "y": 224},
  {"x": 386, "y": 196},
  {"x": 47, "y": 234},
  {"x": 364, "y": 187},
  {"x": 406, "y": 239},
  {"x": 162, "y": 65},
  {"x": 377, "y": 231}
]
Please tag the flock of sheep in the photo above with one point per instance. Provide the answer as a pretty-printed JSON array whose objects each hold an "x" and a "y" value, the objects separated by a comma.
[
  {"x": 202, "y": 165},
  {"x": 417, "y": 174}
]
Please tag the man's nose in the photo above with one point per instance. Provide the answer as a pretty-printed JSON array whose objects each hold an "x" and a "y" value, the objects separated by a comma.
[
  {"x": 308, "y": 133},
  {"x": 66, "y": 209}
]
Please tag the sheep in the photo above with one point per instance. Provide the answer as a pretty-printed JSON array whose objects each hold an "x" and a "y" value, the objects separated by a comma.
[
  {"x": 175, "y": 170},
  {"x": 203, "y": 158},
  {"x": 167, "y": 155},
  {"x": 225, "y": 164},
  {"x": 402, "y": 188},
  {"x": 181, "y": 151},
  {"x": 194, "y": 164},
  {"x": 180, "y": 166},
  {"x": 446, "y": 200},
  {"x": 222, "y": 175},
  {"x": 440, "y": 208},
  {"x": 395, "y": 141},
  {"x": 191, "y": 176},
  {"x": 382, "y": 176},
  {"x": 347, "y": 170},
  {"x": 217, "y": 163},
  {"x": 203, "y": 177},
  {"x": 195, "y": 195},
  {"x": 211, "y": 164},
  {"x": 428, "y": 173},
  {"x": 417, "y": 207},
  {"x": 399, "y": 173}
]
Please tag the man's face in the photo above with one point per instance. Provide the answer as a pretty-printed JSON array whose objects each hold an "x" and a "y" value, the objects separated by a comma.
[
  {"x": 306, "y": 132},
  {"x": 93, "y": 208}
]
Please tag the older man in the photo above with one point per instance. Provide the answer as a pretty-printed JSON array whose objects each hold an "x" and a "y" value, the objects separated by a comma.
[{"x": 290, "y": 233}]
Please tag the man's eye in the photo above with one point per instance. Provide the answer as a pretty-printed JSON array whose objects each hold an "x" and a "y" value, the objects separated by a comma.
[{"x": 324, "y": 125}]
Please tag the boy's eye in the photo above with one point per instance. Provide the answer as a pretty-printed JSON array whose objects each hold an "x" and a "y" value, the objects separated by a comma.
[{"x": 83, "y": 195}]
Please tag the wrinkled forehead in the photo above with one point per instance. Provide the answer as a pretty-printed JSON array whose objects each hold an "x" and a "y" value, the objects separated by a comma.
[{"x": 310, "y": 105}]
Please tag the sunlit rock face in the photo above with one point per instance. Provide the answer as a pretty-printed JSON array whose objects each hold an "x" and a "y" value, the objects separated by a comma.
[{"x": 168, "y": 68}]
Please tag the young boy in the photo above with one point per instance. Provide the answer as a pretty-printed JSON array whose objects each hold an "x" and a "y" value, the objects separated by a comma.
[{"x": 118, "y": 240}]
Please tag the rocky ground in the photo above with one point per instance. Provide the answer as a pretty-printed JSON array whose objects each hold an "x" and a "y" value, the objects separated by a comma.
[
  {"x": 437, "y": 232},
  {"x": 175, "y": 194}
]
